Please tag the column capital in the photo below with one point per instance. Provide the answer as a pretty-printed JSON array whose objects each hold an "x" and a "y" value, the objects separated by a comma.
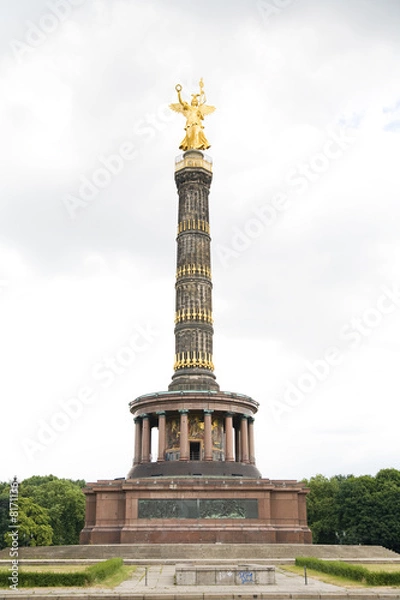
[
  {"x": 229, "y": 414},
  {"x": 137, "y": 420},
  {"x": 144, "y": 416},
  {"x": 183, "y": 411},
  {"x": 208, "y": 411},
  {"x": 161, "y": 413}
]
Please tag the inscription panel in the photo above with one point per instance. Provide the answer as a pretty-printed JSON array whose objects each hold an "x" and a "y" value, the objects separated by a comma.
[{"x": 198, "y": 509}]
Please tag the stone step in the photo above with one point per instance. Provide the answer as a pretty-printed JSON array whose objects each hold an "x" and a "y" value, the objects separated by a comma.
[{"x": 182, "y": 552}]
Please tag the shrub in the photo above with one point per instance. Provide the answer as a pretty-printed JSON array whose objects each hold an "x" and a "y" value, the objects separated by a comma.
[
  {"x": 44, "y": 579},
  {"x": 95, "y": 573},
  {"x": 383, "y": 578},
  {"x": 102, "y": 570}
]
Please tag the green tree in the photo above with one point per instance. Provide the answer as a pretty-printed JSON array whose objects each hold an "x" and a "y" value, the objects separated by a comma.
[
  {"x": 386, "y": 531},
  {"x": 322, "y": 508},
  {"x": 50, "y": 511},
  {"x": 64, "y": 501},
  {"x": 357, "y": 510},
  {"x": 388, "y": 475},
  {"x": 34, "y": 527},
  {"x": 4, "y": 513}
]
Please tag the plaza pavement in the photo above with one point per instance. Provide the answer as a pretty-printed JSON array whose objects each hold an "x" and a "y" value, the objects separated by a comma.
[{"x": 160, "y": 586}]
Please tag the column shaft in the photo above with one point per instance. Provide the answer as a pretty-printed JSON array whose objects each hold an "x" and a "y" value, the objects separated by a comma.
[
  {"x": 252, "y": 451},
  {"x": 184, "y": 438},
  {"x": 229, "y": 453},
  {"x": 208, "y": 435},
  {"x": 161, "y": 437},
  {"x": 145, "y": 439},
  {"x": 193, "y": 365},
  {"x": 244, "y": 440},
  {"x": 238, "y": 452},
  {"x": 138, "y": 442}
]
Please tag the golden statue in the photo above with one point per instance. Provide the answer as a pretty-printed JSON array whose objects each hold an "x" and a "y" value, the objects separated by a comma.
[{"x": 194, "y": 113}]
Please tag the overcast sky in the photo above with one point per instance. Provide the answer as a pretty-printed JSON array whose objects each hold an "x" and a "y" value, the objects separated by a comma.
[{"x": 305, "y": 212}]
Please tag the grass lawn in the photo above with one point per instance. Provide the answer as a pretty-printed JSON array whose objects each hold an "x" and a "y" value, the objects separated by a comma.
[
  {"x": 124, "y": 573},
  {"x": 341, "y": 581},
  {"x": 381, "y": 567},
  {"x": 333, "y": 579}
]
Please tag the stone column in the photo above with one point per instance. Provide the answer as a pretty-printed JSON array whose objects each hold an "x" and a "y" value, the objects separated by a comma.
[
  {"x": 208, "y": 455},
  {"x": 161, "y": 436},
  {"x": 244, "y": 440},
  {"x": 229, "y": 453},
  {"x": 145, "y": 439},
  {"x": 193, "y": 366},
  {"x": 138, "y": 441},
  {"x": 184, "y": 440},
  {"x": 252, "y": 451},
  {"x": 238, "y": 452}
]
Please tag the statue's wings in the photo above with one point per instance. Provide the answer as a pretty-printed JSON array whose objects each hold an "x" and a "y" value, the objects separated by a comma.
[
  {"x": 206, "y": 110},
  {"x": 177, "y": 107}
]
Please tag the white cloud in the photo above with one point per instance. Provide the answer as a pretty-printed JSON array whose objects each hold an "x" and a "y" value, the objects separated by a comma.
[{"x": 71, "y": 291}]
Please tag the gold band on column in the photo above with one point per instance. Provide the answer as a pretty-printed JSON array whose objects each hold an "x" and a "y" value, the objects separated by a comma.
[
  {"x": 188, "y": 360},
  {"x": 193, "y": 225},
  {"x": 194, "y": 314},
  {"x": 193, "y": 269}
]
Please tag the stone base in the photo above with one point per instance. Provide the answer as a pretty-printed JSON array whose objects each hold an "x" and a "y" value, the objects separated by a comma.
[
  {"x": 225, "y": 574},
  {"x": 193, "y": 380},
  {"x": 194, "y": 468},
  {"x": 189, "y": 510}
]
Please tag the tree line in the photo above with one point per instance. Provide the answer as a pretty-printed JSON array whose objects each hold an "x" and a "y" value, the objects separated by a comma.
[
  {"x": 343, "y": 509},
  {"x": 50, "y": 511},
  {"x": 355, "y": 510}
]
